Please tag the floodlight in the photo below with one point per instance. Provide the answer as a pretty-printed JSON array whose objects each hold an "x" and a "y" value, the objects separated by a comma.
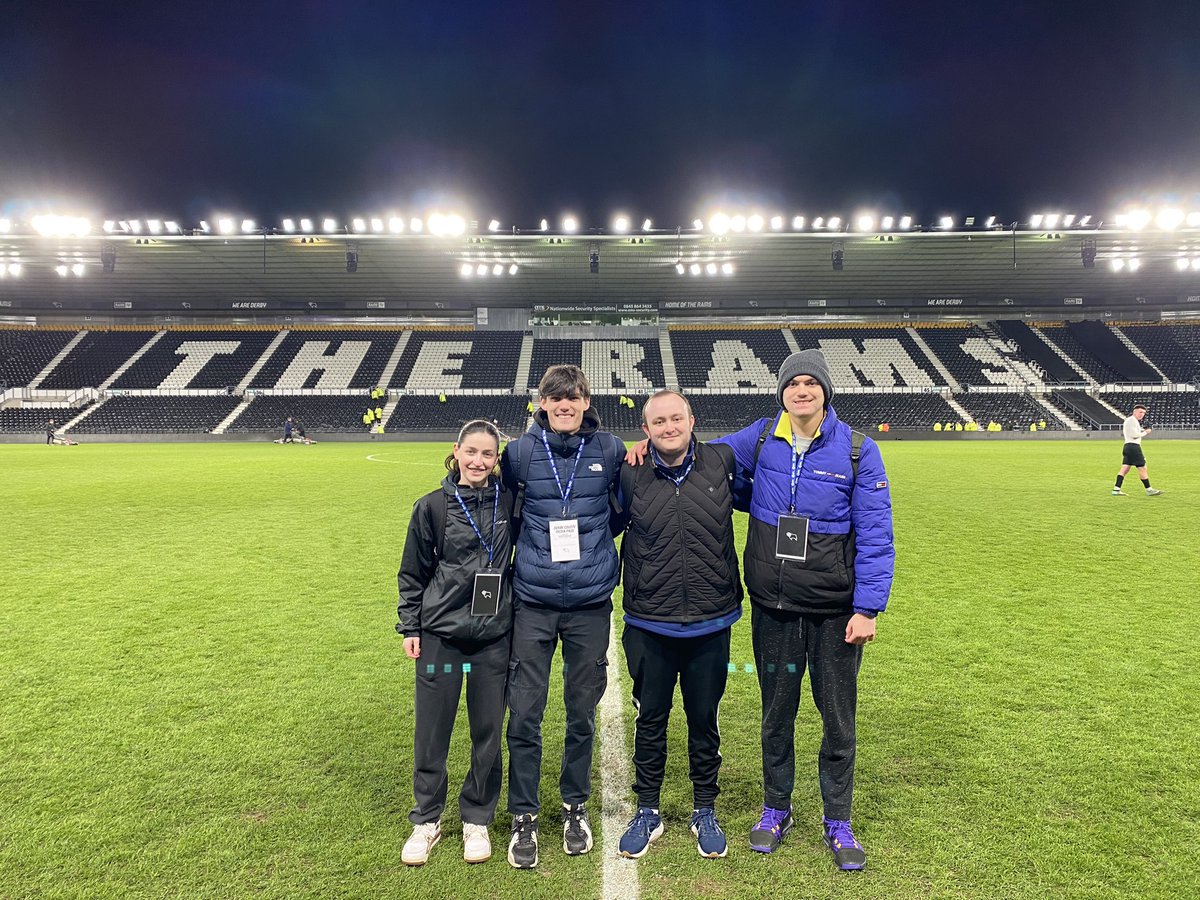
[
  {"x": 1035, "y": 221},
  {"x": 621, "y": 224},
  {"x": 777, "y": 223},
  {"x": 204, "y": 226},
  {"x": 647, "y": 225},
  {"x": 224, "y": 226},
  {"x": 1182, "y": 264},
  {"x": 437, "y": 224},
  {"x": 135, "y": 226},
  {"x": 1134, "y": 264},
  {"x": 679, "y": 267},
  {"x": 738, "y": 223},
  {"x": 570, "y": 224},
  {"x": 694, "y": 268},
  {"x": 819, "y": 222},
  {"x": 797, "y": 222},
  {"x": 466, "y": 270},
  {"x": 377, "y": 225},
  {"x": 727, "y": 268},
  {"x": 1118, "y": 264},
  {"x": 755, "y": 222},
  {"x": 719, "y": 223},
  {"x": 1052, "y": 220},
  {"x": 481, "y": 269},
  {"x": 395, "y": 225},
  {"x": 154, "y": 226},
  {"x": 887, "y": 223},
  {"x": 1169, "y": 219},
  {"x": 455, "y": 224},
  {"x": 513, "y": 269},
  {"x": 329, "y": 226},
  {"x": 991, "y": 220},
  {"x": 494, "y": 225},
  {"x": 306, "y": 226},
  {"x": 545, "y": 226},
  {"x": 1193, "y": 220},
  {"x": 109, "y": 226},
  {"x": 1138, "y": 219},
  {"x": 697, "y": 224},
  {"x": 906, "y": 223},
  {"x": 61, "y": 270},
  {"x": 1068, "y": 219},
  {"x": 1084, "y": 221},
  {"x": 14, "y": 269},
  {"x": 78, "y": 270},
  {"x": 416, "y": 225},
  {"x": 835, "y": 223},
  {"x": 1195, "y": 265},
  {"x": 946, "y": 222},
  {"x": 866, "y": 223},
  {"x": 711, "y": 268},
  {"x": 360, "y": 225},
  {"x": 248, "y": 226},
  {"x": 497, "y": 269},
  {"x": 289, "y": 226}
]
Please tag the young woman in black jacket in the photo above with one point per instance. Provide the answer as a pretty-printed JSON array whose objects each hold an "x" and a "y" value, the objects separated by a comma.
[{"x": 456, "y": 617}]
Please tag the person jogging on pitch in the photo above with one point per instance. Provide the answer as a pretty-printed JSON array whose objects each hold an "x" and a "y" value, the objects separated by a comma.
[{"x": 1131, "y": 454}]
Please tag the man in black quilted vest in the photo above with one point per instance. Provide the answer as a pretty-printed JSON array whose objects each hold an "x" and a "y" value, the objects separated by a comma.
[{"x": 682, "y": 595}]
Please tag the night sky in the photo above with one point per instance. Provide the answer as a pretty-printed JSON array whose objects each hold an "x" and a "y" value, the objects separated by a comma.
[{"x": 520, "y": 110}]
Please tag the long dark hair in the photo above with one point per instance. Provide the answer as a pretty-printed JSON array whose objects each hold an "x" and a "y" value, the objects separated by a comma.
[{"x": 475, "y": 426}]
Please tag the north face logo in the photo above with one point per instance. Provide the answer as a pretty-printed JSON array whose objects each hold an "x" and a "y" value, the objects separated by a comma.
[{"x": 595, "y": 467}]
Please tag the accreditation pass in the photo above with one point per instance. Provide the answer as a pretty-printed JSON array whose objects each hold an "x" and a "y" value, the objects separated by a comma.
[{"x": 564, "y": 540}]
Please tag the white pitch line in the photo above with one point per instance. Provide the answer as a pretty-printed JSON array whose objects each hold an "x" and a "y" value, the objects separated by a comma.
[{"x": 620, "y": 877}]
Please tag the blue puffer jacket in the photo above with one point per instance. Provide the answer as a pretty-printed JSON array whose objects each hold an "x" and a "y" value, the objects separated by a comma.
[
  {"x": 851, "y": 552},
  {"x": 565, "y": 585}
]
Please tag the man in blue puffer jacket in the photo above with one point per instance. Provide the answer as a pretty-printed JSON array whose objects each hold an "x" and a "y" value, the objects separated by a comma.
[
  {"x": 818, "y": 566},
  {"x": 566, "y": 568}
]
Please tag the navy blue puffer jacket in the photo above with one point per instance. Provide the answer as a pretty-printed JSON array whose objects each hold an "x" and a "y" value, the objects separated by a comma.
[{"x": 565, "y": 585}]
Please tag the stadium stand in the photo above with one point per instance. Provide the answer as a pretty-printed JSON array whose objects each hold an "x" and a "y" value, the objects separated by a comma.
[
  {"x": 1033, "y": 351},
  {"x": 31, "y": 419},
  {"x": 612, "y": 366},
  {"x": 727, "y": 359},
  {"x": 1174, "y": 409},
  {"x": 970, "y": 357},
  {"x": 1100, "y": 341},
  {"x": 1014, "y": 411},
  {"x": 1175, "y": 349},
  {"x": 337, "y": 413},
  {"x": 95, "y": 358},
  {"x": 333, "y": 360},
  {"x": 425, "y": 413},
  {"x": 1083, "y": 408},
  {"x": 449, "y": 360},
  {"x": 1068, "y": 341},
  {"x": 917, "y": 412},
  {"x": 614, "y": 416},
  {"x": 24, "y": 352},
  {"x": 871, "y": 356},
  {"x": 156, "y": 415},
  {"x": 197, "y": 359}
]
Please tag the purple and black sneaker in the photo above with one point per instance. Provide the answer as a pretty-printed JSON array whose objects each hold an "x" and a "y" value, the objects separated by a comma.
[
  {"x": 768, "y": 834},
  {"x": 847, "y": 852}
]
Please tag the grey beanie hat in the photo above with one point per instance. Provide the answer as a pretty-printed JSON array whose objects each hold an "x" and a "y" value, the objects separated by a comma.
[{"x": 806, "y": 362}]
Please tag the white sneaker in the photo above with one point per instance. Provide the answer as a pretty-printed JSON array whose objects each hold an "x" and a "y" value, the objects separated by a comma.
[
  {"x": 424, "y": 838},
  {"x": 1152, "y": 492},
  {"x": 477, "y": 845}
]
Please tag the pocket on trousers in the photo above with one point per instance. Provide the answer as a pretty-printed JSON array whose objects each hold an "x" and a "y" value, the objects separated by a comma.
[{"x": 601, "y": 678}]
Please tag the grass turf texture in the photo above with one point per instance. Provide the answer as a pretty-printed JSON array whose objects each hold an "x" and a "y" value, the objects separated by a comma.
[{"x": 202, "y": 695}]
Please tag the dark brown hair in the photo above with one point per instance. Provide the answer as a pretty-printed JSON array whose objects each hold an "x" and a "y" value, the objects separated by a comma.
[
  {"x": 565, "y": 381},
  {"x": 475, "y": 426}
]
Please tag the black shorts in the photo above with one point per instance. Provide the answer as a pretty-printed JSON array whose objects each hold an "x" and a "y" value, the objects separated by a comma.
[{"x": 1132, "y": 455}]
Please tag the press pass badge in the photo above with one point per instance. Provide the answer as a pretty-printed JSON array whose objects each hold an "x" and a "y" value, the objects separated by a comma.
[
  {"x": 791, "y": 540},
  {"x": 564, "y": 540},
  {"x": 486, "y": 599}
]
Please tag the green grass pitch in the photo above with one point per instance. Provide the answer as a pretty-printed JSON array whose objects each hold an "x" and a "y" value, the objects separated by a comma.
[{"x": 202, "y": 694}]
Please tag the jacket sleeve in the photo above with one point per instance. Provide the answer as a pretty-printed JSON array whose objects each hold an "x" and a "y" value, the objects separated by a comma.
[
  {"x": 875, "y": 545},
  {"x": 743, "y": 444},
  {"x": 417, "y": 566}
]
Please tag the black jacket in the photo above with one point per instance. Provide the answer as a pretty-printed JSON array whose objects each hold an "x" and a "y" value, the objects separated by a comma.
[
  {"x": 437, "y": 574},
  {"x": 678, "y": 556}
]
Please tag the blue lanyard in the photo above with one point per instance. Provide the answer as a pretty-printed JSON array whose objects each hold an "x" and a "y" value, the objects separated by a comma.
[
  {"x": 797, "y": 466},
  {"x": 488, "y": 548},
  {"x": 566, "y": 495},
  {"x": 678, "y": 482}
]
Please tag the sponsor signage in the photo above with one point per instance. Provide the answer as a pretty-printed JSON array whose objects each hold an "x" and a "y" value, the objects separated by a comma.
[{"x": 944, "y": 301}]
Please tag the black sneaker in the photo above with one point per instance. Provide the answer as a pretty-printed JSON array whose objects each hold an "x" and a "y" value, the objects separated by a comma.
[
  {"x": 848, "y": 853},
  {"x": 577, "y": 830},
  {"x": 523, "y": 846}
]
